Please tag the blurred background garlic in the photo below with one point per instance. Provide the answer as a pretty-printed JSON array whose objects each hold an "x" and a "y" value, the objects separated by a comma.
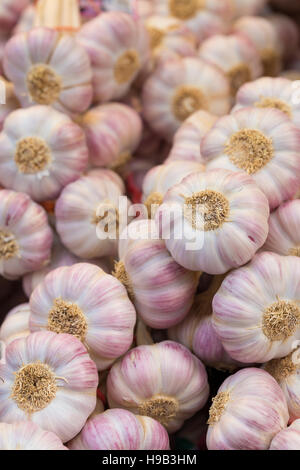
[
  {"x": 16, "y": 324},
  {"x": 161, "y": 178},
  {"x": 163, "y": 381},
  {"x": 49, "y": 380},
  {"x": 179, "y": 88},
  {"x": 41, "y": 151},
  {"x": 288, "y": 34},
  {"x": 248, "y": 411},
  {"x": 79, "y": 300},
  {"x": 26, "y": 20},
  {"x": 25, "y": 236},
  {"x": 113, "y": 132},
  {"x": 248, "y": 7},
  {"x": 89, "y": 215},
  {"x": 118, "y": 48},
  {"x": 235, "y": 55},
  {"x": 187, "y": 140},
  {"x": 214, "y": 229},
  {"x": 49, "y": 68},
  {"x": 264, "y": 37},
  {"x": 10, "y": 11},
  {"x": 284, "y": 232},
  {"x": 11, "y": 102},
  {"x": 288, "y": 438},
  {"x": 161, "y": 290},
  {"x": 268, "y": 92},
  {"x": 24, "y": 435},
  {"x": 262, "y": 142},
  {"x": 256, "y": 310},
  {"x": 119, "y": 429}
]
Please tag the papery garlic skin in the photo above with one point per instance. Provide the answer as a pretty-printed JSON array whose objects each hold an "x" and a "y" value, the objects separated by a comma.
[
  {"x": 261, "y": 142},
  {"x": 113, "y": 132},
  {"x": 214, "y": 227},
  {"x": 161, "y": 290},
  {"x": 49, "y": 68},
  {"x": 11, "y": 102},
  {"x": 164, "y": 381},
  {"x": 161, "y": 178},
  {"x": 179, "y": 88},
  {"x": 264, "y": 37},
  {"x": 287, "y": 439},
  {"x": 25, "y": 236},
  {"x": 288, "y": 34},
  {"x": 118, "y": 49},
  {"x": 268, "y": 92},
  {"x": 10, "y": 11},
  {"x": 16, "y": 324},
  {"x": 41, "y": 151},
  {"x": 119, "y": 429},
  {"x": 24, "y": 435},
  {"x": 235, "y": 55},
  {"x": 284, "y": 232},
  {"x": 187, "y": 140},
  {"x": 79, "y": 300},
  {"x": 88, "y": 214},
  {"x": 256, "y": 312},
  {"x": 62, "y": 379},
  {"x": 248, "y": 411}
]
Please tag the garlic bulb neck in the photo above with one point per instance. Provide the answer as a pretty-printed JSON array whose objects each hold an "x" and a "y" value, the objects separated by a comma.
[
  {"x": 121, "y": 274},
  {"x": 63, "y": 15}
]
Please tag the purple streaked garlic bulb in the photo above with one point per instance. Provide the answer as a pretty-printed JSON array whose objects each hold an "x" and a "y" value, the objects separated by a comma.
[
  {"x": 235, "y": 55},
  {"x": 267, "y": 92},
  {"x": 10, "y": 11},
  {"x": 11, "y": 102},
  {"x": 25, "y": 435},
  {"x": 41, "y": 151},
  {"x": 163, "y": 381},
  {"x": 161, "y": 178},
  {"x": 118, "y": 48},
  {"x": 79, "y": 300},
  {"x": 261, "y": 32},
  {"x": 16, "y": 324},
  {"x": 49, "y": 68},
  {"x": 256, "y": 310},
  {"x": 119, "y": 429},
  {"x": 49, "y": 380},
  {"x": 187, "y": 140},
  {"x": 197, "y": 333},
  {"x": 161, "y": 290},
  {"x": 90, "y": 215},
  {"x": 284, "y": 231},
  {"x": 25, "y": 236},
  {"x": 180, "y": 87},
  {"x": 214, "y": 229},
  {"x": 113, "y": 132},
  {"x": 248, "y": 411},
  {"x": 288, "y": 438},
  {"x": 288, "y": 34},
  {"x": 261, "y": 142}
]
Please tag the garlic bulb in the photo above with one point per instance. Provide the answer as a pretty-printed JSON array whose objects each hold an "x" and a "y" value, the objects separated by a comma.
[
  {"x": 288, "y": 34},
  {"x": 25, "y": 236},
  {"x": 284, "y": 232},
  {"x": 118, "y": 48},
  {"x": 16, "y": 324},
  {"x": 89, "y": 216},
  {"x": 248, "y": 7},
  {"x": 248, "y": 411},
  {"x": 261, "y": 142},
  {"x": 11, "y": 102},
  {"x": 26, "y": 20},
  {"x": 161, "y": 178},
  {"x": 267, "y": 92},
  {"x": 49, "y": 68},
  {"x": 163, "y": 381},
  {"x": 187, "y": 140},
  {"x": 213, "y": 226},
  {"x": 256, "y": 310},
  {"x": 41, "y": 151},
  {"x": 264, "y": 37},
  {"x": 49, "y": 380},
  {"x": 161, "y": 290},
  {"x": 25, "y": 435},
  {"x": 197, "y": 333},
  {"x": 179, "y": 88},
  {"x": 119, "y": 429},
  {"x": 235, "y": 55},
  {"x": 10, "y": 11},
  {"x": 288, "y": 438},
  {"x": 113, "y": 132},
  {"x": 79, "y": 300}
]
